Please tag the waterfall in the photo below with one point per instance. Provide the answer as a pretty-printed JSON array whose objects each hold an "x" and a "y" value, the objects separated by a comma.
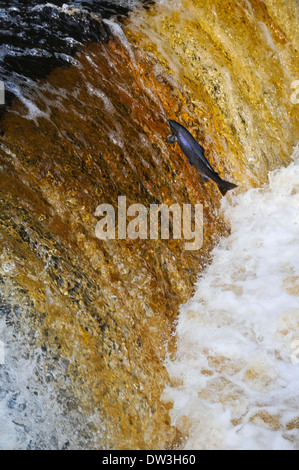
[{"x": 140, "y": 343}]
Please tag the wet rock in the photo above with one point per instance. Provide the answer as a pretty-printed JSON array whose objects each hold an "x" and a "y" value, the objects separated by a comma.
[{"x": 37, "y": 37}]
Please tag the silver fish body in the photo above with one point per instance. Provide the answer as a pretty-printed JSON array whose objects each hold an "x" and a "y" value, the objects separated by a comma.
[{"x": 196, "y": 156}]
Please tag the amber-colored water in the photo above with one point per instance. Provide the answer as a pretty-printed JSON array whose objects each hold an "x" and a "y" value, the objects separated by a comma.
[
  {"x": 96, "y": 317},
  {"x": 236, "y": 62}
]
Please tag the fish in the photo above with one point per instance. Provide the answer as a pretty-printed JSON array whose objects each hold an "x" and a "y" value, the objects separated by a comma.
[{"x": 195, "y": 154}]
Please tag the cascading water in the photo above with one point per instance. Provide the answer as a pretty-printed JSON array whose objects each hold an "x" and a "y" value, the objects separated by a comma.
[
  {"x": 236, "y": 375},
  {"x": 103, "y": 346}
]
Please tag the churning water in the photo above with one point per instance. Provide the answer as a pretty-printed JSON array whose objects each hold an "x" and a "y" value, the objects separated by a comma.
[{"x": 236, "y": 373}]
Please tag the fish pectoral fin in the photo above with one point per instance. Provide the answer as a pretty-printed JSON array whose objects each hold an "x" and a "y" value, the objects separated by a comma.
[
  {"x": 205, "y": 178},
  {"x": 171, "y": 139}
]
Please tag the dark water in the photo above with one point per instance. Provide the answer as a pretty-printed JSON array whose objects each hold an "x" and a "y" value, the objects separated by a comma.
[{"x": 36, "y": 37}]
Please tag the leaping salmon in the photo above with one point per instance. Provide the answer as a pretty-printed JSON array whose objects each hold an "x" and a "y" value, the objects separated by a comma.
[{"x": 196, "y": 156}]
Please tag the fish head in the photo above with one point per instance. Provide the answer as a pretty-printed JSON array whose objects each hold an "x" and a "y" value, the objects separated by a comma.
[{"x": 174, "y": 126}]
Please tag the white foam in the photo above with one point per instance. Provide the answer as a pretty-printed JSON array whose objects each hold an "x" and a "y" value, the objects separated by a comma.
[
  {"x": 7, "y": 429},
  {"x": 33, "y": 111},
  {"x": 235, "y": 379}
]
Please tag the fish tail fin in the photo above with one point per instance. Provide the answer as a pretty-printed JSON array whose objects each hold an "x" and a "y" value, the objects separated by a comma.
[{"x": 225, "y": 186}]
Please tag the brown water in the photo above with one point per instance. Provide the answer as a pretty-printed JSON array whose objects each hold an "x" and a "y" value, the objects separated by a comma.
[{"x": 89, "y": 322}]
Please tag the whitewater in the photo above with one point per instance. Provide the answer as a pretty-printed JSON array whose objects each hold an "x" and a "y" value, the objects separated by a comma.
[{"x": 235, "y": 377}]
